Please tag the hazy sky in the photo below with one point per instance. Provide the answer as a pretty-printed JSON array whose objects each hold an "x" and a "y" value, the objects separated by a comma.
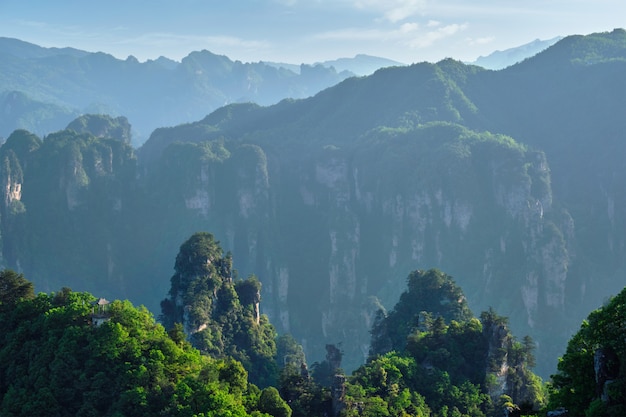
[{"x": 297, "y": 31}]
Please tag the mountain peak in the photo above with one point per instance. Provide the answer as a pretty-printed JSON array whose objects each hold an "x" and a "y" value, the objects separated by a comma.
[
  {"x": 361, "y": 64},
  {"x": 502, "y": 59}
]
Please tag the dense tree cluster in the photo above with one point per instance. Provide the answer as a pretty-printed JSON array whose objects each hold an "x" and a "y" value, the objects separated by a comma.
[
  {"x": 430, "y": 356},
  {"x": 103, "y": 126},
  {"x": 56, "y": 361},
  {"x": 70, "y": 354},
  {"x": 220, "y": 312},
  {"x": 365, "y": 178},
  {"x": 591, "y": 377},
  {"x": 431, "y": 292},
  {"x": 450, "y": 364}
]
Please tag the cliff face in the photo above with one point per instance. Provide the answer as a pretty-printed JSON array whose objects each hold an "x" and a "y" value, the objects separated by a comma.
[
  {"x": 331, "y": 200},
  {"x": 330, "y": 231},
  {"x": 64, "y": 200},
  {"x": 366, "y": 216},
  {"x": 43, "y": 92}
]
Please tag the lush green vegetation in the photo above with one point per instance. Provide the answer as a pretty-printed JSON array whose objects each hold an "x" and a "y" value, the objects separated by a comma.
[
  {"x": 56, "y": 361},
  {"x": 430, "y": 355},
  {"x": 70, "y": 354},
  {"x": 102, "y": 126},
  {"x": 591, "y": 377},
  {"x": 42, "y": 89},
  {"x": 330, "y": 200},
  {"x": 97, "y": 175},
  {"x": 431, "y": 295},
  {"x": 221, "y": 312},
  {"x": 64, "y": 354}
]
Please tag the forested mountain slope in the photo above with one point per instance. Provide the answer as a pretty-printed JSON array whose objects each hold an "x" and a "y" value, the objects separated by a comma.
[
  {"x": 510, "y": 181},
  {"x": 502, "y": 59},
  {"x": 70, "y": 354},
  {"x": 43, "y": 89},
  {"x": 591, "y": 374}
]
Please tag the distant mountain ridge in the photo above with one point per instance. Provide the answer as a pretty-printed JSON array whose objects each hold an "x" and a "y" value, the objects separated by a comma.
[
  {"x": 55, "y": 85},
  {"x": 361, "y": 64},
  {"x": 151, "y": 94},
  {"x": 370, "y": 174},
  {"x": 502, "y": 59},
  {"x": 511, "y": 181},
  {"x": 22, "y": 49}
]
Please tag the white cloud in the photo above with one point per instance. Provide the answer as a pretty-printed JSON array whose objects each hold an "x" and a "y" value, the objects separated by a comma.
[
  {"x": 31, "y": 23},
  {"x": 480, "y": 41},
  {"x": 353, "y": 34},
  {"x": 403, "y": 10},
  {"x": 409, "y": 34},
  {"x": 392, "y": 10},
  {"x": 408, "y": 28},
  {"x": 397, "y": 33},
  {"x": 429, "y": 38}
]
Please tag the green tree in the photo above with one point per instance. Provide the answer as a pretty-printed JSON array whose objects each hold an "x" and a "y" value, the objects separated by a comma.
[
  {"x": 591, "y": 376},
  {"x": 13, "y": 289},
  {"x": 220, "y": 314},
  {"x": 271, "y": 403},
  {"x": 433, "y": 292},
  {"x": 289, "y": 352},
  {"x": 385, "y": 386},
  {"x": 55, "y": 362},
  {"x": 302, "y": 393},
  {"x": 448, "y": 357}
]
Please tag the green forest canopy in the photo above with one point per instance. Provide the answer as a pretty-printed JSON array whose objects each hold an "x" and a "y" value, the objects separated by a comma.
[
  {"x": 430, "y": 356},
  {"x": 591, "y": 377},
  {"x": 55, "y": 361}
]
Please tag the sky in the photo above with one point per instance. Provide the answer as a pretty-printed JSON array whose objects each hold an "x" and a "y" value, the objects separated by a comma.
[{"x": 304, "y": 31}]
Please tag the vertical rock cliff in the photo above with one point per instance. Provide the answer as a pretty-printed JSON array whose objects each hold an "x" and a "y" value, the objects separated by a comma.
[{"x": 330, "y": 230}]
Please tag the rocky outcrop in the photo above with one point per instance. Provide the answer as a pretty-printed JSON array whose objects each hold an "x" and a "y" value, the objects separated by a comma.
[
  {"x": 103, "y": 126},
  {"x": 331, "y": 200},
  {"x": 330, "y": 232},
  {"x": 606, "y": 365},
  {"x": 13, "y": 179}
]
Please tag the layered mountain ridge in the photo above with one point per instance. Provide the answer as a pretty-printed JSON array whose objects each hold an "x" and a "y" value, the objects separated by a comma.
[
  {"x": 43, "y": 89},
  {"x": 510, "y": 181}
]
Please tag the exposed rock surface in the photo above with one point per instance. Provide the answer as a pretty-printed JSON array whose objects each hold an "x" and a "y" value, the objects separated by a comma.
[{"x": 332, "y": 200}]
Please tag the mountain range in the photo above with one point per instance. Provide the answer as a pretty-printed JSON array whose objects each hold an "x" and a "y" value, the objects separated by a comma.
[
  {"x": 501, "y": 59},
  {"x": 359, "y": 65},
  {"x": 43, "y": 89},
  {"x": 511, "y": 181}
]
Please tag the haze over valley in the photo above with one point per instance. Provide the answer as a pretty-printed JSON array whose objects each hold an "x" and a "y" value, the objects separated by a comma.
[{"x": 394, "y": 237}]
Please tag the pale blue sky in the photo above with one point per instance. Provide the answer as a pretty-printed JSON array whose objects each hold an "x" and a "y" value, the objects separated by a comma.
[{"x": 297, "y": 31}]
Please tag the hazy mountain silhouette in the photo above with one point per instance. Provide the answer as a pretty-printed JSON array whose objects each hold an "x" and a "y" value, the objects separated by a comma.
[
  {"x": 502, "y": 59},
  {"x": 511, "y": 181}
]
